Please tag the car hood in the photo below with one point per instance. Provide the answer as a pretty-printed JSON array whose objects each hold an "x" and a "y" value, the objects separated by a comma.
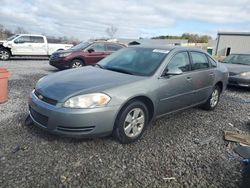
[
  {"x": 65, "y": 84},
  {"x": 237, "y": 68},
  {"x": 65, "y": 51}
]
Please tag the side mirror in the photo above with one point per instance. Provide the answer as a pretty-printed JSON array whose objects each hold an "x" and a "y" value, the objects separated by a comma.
[
  {"x": 91, "y": 50},
  {"x": 172, "y": 72}
]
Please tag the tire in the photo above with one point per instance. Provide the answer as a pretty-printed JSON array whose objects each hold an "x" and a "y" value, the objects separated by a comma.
[
  {"x": 76, "y": 63},
  {"x": 131, "y": 122},
  {"x": 4, "y": 54},
  {"x": 28, "y": 121},
  {"x": 213, "y": 99}
]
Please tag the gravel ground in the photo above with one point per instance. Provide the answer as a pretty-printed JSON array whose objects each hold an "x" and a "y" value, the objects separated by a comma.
[{"x": 188, "y": 146}]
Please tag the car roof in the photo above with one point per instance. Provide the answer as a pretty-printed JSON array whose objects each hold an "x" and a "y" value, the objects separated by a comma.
[
  {"x": 240, "y": 54},
  {"x": 33, "y": 35},
  {"x": 107, "y": 42},
  {"x": 163, "y": 47}
]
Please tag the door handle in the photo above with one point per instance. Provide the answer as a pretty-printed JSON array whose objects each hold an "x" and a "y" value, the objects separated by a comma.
[
  {"x": 189, "y": 78},
  {"x": 211, "y": 74}
]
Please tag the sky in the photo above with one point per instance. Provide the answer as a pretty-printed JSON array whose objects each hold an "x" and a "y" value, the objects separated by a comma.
[{"x": 133, "y": 18}]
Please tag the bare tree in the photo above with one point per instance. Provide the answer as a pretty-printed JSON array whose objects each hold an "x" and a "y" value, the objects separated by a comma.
[
  {"x": 20, "y": 30},
  {"x": 4, "y": 33},
  {"x": 111, "y": 31},
  {"x": 1, "y": 28}
]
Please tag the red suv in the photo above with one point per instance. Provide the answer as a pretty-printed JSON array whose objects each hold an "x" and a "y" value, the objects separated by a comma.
[{"x": 85, "y": 53}]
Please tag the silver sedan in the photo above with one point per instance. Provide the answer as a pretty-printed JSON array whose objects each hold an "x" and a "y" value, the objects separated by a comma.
[
  {"x": 239, "y": 69},
  {"x": 124, "y": 92}
]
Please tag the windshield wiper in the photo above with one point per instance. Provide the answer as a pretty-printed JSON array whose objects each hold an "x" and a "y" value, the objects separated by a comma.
[
  {"x": 98, "y": 65},
  {"x": 119, "y": 70},
  {"x": 241, "y": 63}
]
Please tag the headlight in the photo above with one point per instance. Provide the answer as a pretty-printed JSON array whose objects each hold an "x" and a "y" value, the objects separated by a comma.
[
  {"x": 64, "y": 54},
  {"x": 245, "y": 74},
  {"x": 94, "y": 100}
]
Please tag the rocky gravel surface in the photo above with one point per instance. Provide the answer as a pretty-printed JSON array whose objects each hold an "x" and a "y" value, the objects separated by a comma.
[{"x": 187, "y": 147}]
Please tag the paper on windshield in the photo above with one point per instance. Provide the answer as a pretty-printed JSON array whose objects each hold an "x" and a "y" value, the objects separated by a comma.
[{"x": 161, "y": 51}]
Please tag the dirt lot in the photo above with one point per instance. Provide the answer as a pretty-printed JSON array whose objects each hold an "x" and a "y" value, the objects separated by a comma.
[{"x": 188, "y": 146}]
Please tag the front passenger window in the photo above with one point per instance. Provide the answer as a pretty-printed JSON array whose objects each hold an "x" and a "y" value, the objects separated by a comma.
[
  {"x": 98, "y": 47},
  {"x": 22, "y": 39},
  {"x": 180, "y": 61}
]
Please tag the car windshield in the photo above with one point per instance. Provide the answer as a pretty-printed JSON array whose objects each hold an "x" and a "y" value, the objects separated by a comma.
[
  {"x": 237, "y": 59},
  {"x": 81, "y": 46},
  {"x": 12, "y": 37},
  {"x": 135, "y": 61}
]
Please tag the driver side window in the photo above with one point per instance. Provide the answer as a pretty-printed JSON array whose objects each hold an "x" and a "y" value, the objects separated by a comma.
[
  {"x": 22, "y": 39},
  {"x": 180, "y": 61},
  {"x": 98, "y": 47}
]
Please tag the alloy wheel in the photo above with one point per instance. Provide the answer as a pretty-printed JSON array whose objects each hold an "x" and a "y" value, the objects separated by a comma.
[
  {"x": 214, "y": 98},
  {"x": 76, "y": 64},
  {"x": 4, "y": 55},
  {"x": 134, "y": 122}
]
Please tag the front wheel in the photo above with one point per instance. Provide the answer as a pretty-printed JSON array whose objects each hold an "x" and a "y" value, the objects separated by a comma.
[
  {"x": 213, "y": 99},
  {"x": 131, "y": 122},
  {"x": 4, "y": 54},
  {"x": 76, "y": 63}
]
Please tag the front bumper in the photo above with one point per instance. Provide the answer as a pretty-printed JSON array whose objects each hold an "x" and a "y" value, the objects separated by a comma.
[
  {"x": 59, "y": 63},
  {"x": 239, "y": 81},
  {"x": 72, "y": 122}
]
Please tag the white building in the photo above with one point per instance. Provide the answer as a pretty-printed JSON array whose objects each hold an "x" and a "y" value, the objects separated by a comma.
[{"x": 232, "y": 42}]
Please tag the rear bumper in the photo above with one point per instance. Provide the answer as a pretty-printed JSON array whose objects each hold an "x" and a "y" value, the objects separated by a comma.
[
  {"x": 239, "y": 81},
  {"x": 83, "y": 123}
]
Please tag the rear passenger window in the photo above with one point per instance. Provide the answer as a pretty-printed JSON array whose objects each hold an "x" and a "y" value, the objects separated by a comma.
[
  {"x": 212, "y": 62},
  {"x": 113, "y": 47},
  {"x": 199, "y": 61},
  {"x": 35, "y": 39},
  {"x": 180, "y": 61}
]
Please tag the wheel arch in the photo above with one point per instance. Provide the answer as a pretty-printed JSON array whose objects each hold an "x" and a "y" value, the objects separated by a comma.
[
  {"x": 6, "y": 48},
  {"x": 79, "y": 58},
  {"x": 144, "y": 99},
  {"x": 220, "y": 85}
]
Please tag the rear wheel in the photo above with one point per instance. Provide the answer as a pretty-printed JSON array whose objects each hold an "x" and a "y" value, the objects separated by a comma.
[
  {"x": 76, "y": 63},
  {"x": 213, "y": 99},
  {"x": 4, "y": 54},
  {"x": 131, "y": 122}
]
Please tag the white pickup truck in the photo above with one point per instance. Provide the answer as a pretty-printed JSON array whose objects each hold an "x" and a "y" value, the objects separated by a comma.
[{"x": 28, "y": 45}]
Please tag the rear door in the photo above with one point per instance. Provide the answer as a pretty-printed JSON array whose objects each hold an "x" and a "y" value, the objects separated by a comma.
[
  {"x": 96, "y": 55},
  {"x": 22, "y": 46},
  {"x": 202, "y": 76},
  {"x": 175, "y": 92},
  {"x": 38, "y": 45}
]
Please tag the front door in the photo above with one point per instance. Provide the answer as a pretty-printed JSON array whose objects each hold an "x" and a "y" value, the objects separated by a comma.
[
  {"x": 22, "y": 46},
  {"x": 97, "y": 53},
  {"x": 175, "y": 90}
]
